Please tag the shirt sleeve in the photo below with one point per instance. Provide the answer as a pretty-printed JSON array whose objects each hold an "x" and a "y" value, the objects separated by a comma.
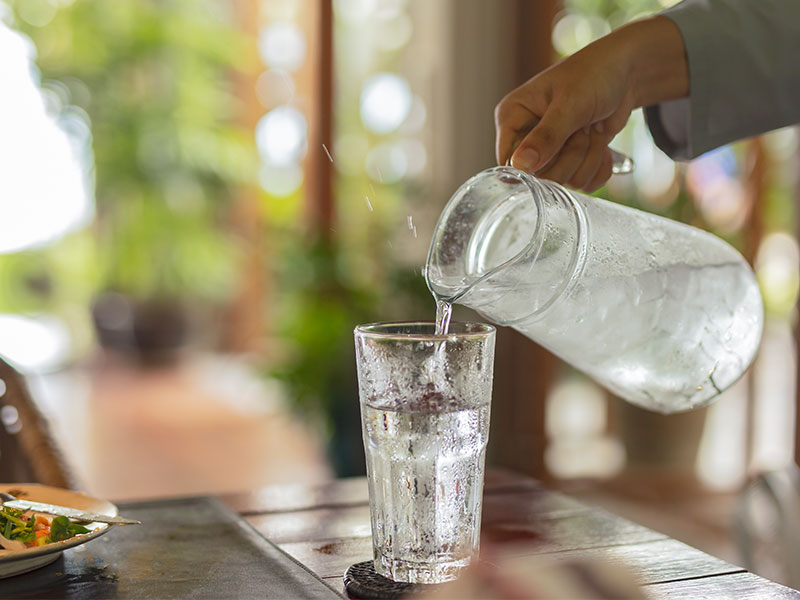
[{"x": 744, "y": 74}]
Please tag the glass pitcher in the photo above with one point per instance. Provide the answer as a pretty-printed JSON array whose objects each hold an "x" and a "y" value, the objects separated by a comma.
[{"x": 662, "y": 314}]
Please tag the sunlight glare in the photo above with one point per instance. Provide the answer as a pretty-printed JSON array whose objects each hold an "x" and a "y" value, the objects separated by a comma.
[
  {"x": 282, "y": 46},
  {"x": 385, "y": 102},
  {"x": 34, "y": 343},
  {"x": 46, "y": 188},
  {"x": 281, "y": 136}
]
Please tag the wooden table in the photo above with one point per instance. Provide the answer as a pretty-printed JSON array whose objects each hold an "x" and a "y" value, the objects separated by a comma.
[{"x": 327, "y": 529}]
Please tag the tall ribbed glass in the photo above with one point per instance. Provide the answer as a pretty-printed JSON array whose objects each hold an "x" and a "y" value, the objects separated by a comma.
[{"x": 425, "y": 419}]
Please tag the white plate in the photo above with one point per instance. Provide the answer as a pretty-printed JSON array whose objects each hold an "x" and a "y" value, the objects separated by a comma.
[{"x": 22, "y": 561}]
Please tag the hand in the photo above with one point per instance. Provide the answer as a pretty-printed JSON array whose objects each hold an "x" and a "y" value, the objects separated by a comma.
[
  {"x": 584, "y": 162},
  {"x": 572, "y": 110},
  {"x": 564, "y": 118}
]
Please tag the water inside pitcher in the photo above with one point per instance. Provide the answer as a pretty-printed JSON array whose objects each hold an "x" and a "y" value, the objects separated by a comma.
[{"x": 662, "y": 314}]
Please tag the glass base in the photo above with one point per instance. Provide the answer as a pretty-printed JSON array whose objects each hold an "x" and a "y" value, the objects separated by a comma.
[{"x": 420, "y": 572}]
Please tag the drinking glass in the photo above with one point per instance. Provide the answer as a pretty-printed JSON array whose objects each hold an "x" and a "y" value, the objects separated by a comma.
[{"x": 425, "y": 420}]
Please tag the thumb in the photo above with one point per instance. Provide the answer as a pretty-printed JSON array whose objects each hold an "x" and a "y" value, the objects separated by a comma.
[{"x": 545, "y": 140}]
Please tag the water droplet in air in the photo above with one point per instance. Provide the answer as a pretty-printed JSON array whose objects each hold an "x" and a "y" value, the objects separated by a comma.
[{"x": 324, "y": 147}]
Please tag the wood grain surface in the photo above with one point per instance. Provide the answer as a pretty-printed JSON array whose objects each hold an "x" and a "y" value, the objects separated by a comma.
[{"x": 327, "y": 528}]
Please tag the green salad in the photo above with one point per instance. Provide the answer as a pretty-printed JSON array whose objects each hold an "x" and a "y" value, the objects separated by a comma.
[{"x": 35, "y": 529}]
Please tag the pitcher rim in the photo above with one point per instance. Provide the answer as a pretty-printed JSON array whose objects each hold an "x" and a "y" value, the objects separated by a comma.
[{"x": 534, "y": 187}]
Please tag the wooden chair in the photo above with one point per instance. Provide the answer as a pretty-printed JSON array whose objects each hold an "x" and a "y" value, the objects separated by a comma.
[{"x": 28, "y": 451}]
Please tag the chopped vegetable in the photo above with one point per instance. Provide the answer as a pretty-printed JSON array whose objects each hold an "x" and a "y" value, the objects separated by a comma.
[
  {"x": 61, "y": 528},
  {"x": 24, "y": 529}
]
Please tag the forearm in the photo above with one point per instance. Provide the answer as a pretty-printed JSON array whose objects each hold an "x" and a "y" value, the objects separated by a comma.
[
  {"x": 570, "y": 112},
  {"x": 743, "y": 70},
  {"x": 656, "y": 60}
]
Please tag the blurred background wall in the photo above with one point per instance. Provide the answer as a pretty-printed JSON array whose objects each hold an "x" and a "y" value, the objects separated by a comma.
[{"x": 233, "y": 185}]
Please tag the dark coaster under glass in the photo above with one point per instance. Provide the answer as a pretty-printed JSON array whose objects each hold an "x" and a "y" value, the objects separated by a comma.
[{"x": 362, "y": 581}]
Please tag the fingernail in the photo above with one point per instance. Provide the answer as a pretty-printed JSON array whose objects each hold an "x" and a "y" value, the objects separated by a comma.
[
  {"x": 525, "y": 160},
  {"x": 599, "y": 127}
]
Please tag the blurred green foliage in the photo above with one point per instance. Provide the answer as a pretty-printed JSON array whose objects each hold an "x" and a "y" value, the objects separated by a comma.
[
  {"x": 155, "y": 80},
  {"x": 318, "y": 309},
  {"x": 328, "y": 282},
  {"x": 324, "y": 289}
]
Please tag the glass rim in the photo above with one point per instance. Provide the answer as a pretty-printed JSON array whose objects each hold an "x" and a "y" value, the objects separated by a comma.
[{"x": 378, "y": 330}]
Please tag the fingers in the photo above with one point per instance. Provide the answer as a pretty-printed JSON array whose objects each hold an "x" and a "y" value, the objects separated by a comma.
[
  {"x": 591, "y": 161},
  {"x": 504, "y": 145},
  {"x": 572, "y": 157},
  {"x": 512, "y": 118},
  {"x": 602, "y": 175},
  {"x": 564, "y": 135},
  {"x": 545, "y": 140},
  {"x": 584, "y": 162}
]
